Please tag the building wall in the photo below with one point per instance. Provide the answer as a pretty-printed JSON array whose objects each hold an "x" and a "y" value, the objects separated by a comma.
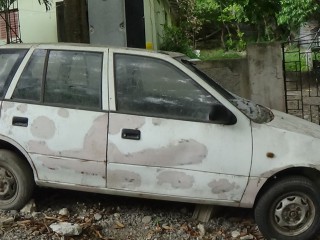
[
  {"x": 157, "y": 15},
  {"x": 37, "y": 25}
]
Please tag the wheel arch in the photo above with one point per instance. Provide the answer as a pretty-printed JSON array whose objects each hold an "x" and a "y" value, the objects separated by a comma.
[
  {"x": 9, "y": 144},
  {"x": 307, "y": 172}
]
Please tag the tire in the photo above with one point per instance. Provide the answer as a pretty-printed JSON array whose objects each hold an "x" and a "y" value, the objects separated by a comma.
[
  {"x": 16, "y": 181},
  {"x": 289, "y": 209}
]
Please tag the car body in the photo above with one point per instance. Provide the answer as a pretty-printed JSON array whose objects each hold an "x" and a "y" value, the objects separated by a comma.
[{"x": 148, "y": 124}]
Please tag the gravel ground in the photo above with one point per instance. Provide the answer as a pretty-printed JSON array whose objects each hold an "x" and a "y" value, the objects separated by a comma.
[{"x": 108, "y": 217}]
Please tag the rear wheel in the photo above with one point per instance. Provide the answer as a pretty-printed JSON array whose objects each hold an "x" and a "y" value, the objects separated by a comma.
[
  {"x": 289, "y": 209},
  {"x": 16, "y": 181}
]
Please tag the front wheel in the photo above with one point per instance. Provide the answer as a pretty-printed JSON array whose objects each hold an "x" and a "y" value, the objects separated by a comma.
[
  {"x": 16, "y": 181},
  {"x": 289, "y": 209}
]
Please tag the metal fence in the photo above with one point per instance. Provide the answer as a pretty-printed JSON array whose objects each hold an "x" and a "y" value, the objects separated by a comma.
[{"x": 301, "y": 64}]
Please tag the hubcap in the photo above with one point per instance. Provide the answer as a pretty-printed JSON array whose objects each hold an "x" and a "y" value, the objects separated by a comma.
[
  {"x": 294, "y": 214},
  {"x": 8, "y": 185}
]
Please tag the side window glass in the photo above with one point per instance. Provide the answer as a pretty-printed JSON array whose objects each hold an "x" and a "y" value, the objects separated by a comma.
[
  {"x": 10, "y": 60},
  {"x": 74, "y": 78},
  {"x": 29, "y": 84},
  {"x": 154, "y": 87}
]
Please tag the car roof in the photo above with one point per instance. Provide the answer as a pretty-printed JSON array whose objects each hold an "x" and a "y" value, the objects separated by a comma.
[{"x": 83, "y": 45}]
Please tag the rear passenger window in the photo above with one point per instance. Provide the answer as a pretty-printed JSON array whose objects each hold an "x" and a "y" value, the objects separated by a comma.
[
  {"x": 10, "y": 60},
  {"x": 74, "y": 78}
]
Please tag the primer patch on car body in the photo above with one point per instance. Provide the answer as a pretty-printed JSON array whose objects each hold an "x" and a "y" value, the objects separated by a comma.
[
  {"x": 43, "y": 128},
  {"x": 184, "y": 152},
  {"x": 177, "y": 179}
]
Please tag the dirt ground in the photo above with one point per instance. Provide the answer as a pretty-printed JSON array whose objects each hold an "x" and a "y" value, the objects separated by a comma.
[{"x": 110, "y": 218}]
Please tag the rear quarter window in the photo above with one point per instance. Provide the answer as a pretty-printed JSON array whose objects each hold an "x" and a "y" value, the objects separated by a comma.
[{"x": 10, "y": 60}]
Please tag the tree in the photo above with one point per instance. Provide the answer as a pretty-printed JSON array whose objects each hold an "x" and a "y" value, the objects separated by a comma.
[
  {"x": 271, "y": 19},
  {"x": 293, "y": 13},
  {"x": 262, "y": 15}
]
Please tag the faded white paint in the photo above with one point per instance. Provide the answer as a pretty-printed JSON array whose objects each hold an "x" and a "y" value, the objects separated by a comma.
[
  {"x": 293, "y": 141},
  {"x": 176, "y": 182},
  {"x": 174, "y": 159},
  {"x": 50, "y": 135}
]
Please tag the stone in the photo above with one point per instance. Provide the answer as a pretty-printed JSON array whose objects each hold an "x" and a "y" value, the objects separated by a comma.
[
  {"x": 146, "y": 219},
  {"x": 30, "y": 207},
  {"x": 66, "y": 229},
  {"x": 97, "y": 216},
  {"x": 235, "y": 234},
  {"x": 64, "y": 212},
  {"x": 201, "y": 229}
]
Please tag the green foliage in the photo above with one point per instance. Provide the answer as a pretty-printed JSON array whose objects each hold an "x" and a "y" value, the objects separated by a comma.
[
  {"x": 175, "y": 40},
  {"x": 272, "y": 19},
  {"x": 206, "y": 10},
  {"x": 294, "y": 13},
  {"x": 295, "y": 61},
  {"x": 232, "y": 13}
]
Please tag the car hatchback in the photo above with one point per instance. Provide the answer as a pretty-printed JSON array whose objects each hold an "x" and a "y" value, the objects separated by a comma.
[{"x": 150, "y": 124}]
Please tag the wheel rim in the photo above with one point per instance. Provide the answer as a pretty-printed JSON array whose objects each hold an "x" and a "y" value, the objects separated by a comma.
[
  {"x": 293, "y": 214},
  {"x": 8, "y": 184}
]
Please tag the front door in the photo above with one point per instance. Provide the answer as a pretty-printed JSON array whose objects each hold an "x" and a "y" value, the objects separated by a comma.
[
  {"x": 161, "y": 141},
  {"x": 56, "y": 112}
]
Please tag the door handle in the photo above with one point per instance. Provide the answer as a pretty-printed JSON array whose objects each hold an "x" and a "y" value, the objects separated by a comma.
[
  {"x": 20, "y": 121},
  {"x": 132, "y": 134}
]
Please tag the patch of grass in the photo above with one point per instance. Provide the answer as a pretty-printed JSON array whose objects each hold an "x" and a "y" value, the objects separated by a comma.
[
  {"x": 302, "y": 60},
  {"x": 220, "y": 54}
]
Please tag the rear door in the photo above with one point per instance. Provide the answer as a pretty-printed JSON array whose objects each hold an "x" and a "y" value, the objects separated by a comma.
[
  {"x": 161, "y": 139},
  {"x": 55, "y": 110}
]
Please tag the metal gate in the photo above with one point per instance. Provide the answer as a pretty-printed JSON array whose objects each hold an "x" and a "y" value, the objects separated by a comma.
[{"x": 301, "y": 64}]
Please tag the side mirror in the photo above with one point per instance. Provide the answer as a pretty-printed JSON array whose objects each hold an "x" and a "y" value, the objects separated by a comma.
[{"x": 221, "y": 115}]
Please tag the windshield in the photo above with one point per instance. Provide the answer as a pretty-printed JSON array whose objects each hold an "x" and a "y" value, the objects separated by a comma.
[{"x": 255, "y": 112}]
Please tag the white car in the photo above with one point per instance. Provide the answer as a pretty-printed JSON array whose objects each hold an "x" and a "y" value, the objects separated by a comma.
[{"x": 147, "y": 124}]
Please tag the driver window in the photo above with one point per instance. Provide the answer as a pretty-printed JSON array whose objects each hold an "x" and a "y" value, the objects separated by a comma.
[{"x": 153, "y": 87}]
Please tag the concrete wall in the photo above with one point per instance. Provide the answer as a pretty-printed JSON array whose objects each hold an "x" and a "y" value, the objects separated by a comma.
[
  {"x": 258, "y": 77},
  {"x": 266, "y": 75},
  {"x": 230, "y": 73},
  {"x": 36, "y": 24}
]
